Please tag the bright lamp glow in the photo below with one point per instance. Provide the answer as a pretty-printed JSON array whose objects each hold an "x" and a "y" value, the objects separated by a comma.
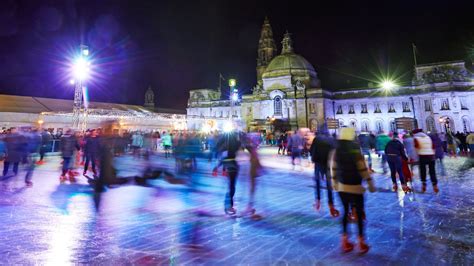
[
  {"x": 235, "y": 97},
  {"x": 388, "y": 85},
  {"x": 228, "y": 127},
  {"x": 206, "y": 128},
  {"x": 81, "y": 68},
  {"x": 232, "y": 82}
]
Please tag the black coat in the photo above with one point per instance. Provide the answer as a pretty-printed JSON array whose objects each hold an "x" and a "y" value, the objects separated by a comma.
[
  {"x": 320, "y": 149},
  {"x": 68, "y": 144},
  {"x": 16, "y": 147},
  {"x": 92, "y": 146},
  {"x": 395, "y": 147}
]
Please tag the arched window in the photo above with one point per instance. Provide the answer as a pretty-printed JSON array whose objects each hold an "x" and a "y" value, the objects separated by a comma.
[
  {"x": 379, "y": 126},
  {"x": 465, "y": 124},
  {"x": 364, "y": 126},
  {"x": 430, "y": 124},
  {"x": 393, "y": 125},
  {"x": 277, "y": 105},
  {"x": 353, "y": 123}
]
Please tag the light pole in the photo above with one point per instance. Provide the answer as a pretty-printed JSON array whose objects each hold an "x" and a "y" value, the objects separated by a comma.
[
  {"x": 415, "y": 122},
  {"x": 233, "y": 96},
  {"x": 80, "y": 72},
  {"x": 446, "y": 123},
  {"x": 296, "y": 107}
]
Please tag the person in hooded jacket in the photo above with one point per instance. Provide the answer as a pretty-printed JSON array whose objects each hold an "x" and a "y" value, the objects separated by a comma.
[{"x": 321, "y": 146}]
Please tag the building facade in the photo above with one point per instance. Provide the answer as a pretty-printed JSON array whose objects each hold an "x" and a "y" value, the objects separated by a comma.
[{"x": 288, "y": 95}]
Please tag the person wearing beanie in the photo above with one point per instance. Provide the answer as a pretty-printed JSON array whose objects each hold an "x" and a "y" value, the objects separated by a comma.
[
  {"x": 395, "y": 152},
  {"x": 348, "y": 170}
]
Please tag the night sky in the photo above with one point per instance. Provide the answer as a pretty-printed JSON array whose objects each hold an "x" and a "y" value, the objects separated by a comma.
[{"x": 175, "y": 46}]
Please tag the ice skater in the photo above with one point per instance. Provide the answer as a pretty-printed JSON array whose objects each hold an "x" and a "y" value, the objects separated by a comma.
[
  {"x": 320, "y": 148},
  {"x": 348, "y": 170},
  {"x": 228, "y": 146}
]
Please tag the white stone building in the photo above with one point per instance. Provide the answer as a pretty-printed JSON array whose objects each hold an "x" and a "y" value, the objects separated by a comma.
[{"x": 288, "y": 96}]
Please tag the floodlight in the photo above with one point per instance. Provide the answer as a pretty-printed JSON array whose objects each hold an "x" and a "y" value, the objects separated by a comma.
[
  {"x": 228, "y": 127},
  {"x": 81, "y": 68},
  {"x": 235, "y": 97},
  {"x": 388, "y": 85}
]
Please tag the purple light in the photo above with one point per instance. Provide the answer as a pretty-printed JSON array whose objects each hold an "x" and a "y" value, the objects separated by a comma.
[
  {"x": 235, "y": 97},
  {"x": 81, "y": 69}
]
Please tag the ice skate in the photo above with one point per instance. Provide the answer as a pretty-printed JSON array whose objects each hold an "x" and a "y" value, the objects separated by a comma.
[
  {"x": 249, "y": 211},
  {"x": 230, "y": 211},
  {"x": 333, "y": 211},
  {"x": 256, "y": 217},
  {"x": 435, "y": 189},
  {"x": 347, "y": 246},
  {"x": 405, "y": 188},
  {"x": 72, "y": 177},
  {"x": 423, "y": 188},
  {"x": 317, "y": 205},
  {"x": 394, "y": 187},
  {"x": 363, "y": 247}
]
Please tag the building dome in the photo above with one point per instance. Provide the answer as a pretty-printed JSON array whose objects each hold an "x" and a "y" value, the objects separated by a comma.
[
  {"x": 286, "y": 64},
  {"x": 290, "y": 64}
]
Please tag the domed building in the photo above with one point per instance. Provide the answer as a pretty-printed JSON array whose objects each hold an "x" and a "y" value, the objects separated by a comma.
[
  {"x": 283, "y": 97},
  {"x": 290, "y": 64},
  {"x": 288, "y": 96}
]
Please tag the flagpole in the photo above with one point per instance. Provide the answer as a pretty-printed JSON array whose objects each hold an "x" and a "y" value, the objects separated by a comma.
[
  {"x": 220, "y": 83},
  {"x": 414, "y": 53}
]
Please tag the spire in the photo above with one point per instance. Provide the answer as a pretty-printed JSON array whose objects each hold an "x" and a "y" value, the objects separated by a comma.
[
  {"x": 149, "y": 97},
  {"x": 266, "y": 44},
  {"x": 266, "y": 48},
  {"x": 287, "y": 44}
]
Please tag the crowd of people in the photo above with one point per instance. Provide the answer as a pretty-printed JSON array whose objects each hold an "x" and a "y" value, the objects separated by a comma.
[{"x": 339, "y": 160}]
